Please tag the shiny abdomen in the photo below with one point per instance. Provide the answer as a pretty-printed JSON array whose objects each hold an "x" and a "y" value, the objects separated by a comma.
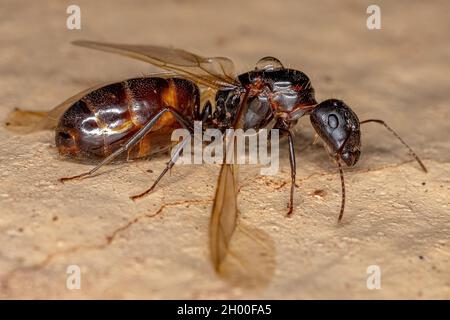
[{"x": 103, "y": 120}]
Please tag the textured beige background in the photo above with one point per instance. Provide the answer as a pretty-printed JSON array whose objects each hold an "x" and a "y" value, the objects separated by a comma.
[{"x": 397, "y": 217}]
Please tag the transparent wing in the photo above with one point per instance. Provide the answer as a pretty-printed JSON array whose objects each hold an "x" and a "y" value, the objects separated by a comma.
[
  {"x": 224, "y": 216},
  {"x": 27, "y": 121},
  {"x": 242, "y": 255},
  {"x": 214, "y": 72},
  {"x": 251, "y": 261},
  {"x": 54, "y": 114}
]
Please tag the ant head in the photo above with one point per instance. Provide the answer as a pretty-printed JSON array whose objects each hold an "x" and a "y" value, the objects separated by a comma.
[{"x": 338, "y": 126}]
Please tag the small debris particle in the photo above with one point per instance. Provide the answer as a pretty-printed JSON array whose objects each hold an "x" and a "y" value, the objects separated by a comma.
[{"x": 319, "y": 194}]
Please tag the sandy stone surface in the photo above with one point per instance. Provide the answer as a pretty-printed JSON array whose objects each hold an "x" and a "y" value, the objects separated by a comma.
[{"x": 397, "y": 217}]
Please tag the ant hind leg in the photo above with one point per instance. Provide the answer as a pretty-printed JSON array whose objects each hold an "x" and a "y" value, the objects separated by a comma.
[{"x": 134, "y": 140}]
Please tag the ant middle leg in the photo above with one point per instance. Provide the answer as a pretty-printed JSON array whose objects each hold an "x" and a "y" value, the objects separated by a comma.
[
  {"x": 175, "y": 155},
  {"x": 204, "y": 115},
  {"x": 293, "y": 170}
]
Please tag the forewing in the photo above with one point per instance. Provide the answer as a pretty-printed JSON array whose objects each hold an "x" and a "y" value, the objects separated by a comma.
[
  {"x": 251, "y": 259},
  {"x": 214, "y": 72},
  {"x": 224, "y": 215},
  {"x": 28, "y": 121},
  {"x": 225, "y": 209}
]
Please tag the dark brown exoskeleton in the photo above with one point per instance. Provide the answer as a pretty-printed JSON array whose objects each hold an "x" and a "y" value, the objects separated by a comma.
[
  {"x": 102, "y": 121},
  {"x": 135, "y": 118}
]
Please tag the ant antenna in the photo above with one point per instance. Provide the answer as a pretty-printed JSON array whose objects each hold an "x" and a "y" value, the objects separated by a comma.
[
  {"x": 401, "y": 140},
  {"x": 341, "y": 173}
]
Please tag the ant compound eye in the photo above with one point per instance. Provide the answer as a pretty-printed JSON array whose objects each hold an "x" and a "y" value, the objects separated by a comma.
[
  {"x": 268, "y": 64},
  {"x": 333, "y": 121}
]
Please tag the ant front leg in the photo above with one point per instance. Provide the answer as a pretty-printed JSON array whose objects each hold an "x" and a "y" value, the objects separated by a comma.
[{"x": 341, "y": 174}]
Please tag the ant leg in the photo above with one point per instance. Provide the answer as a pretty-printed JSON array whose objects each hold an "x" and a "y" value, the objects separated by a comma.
[
  {"x": 170, "y": 164},
  {"x": 401, "y": 140},
  {"x": 205, "y": 114},
  {"x": 134, "y": 140},
  {"x": 173, "y": 160},
  {"x": 293, "y": 172},
  {"x": 293, "y": 169},
  {"x": 341, "y": 173}
]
